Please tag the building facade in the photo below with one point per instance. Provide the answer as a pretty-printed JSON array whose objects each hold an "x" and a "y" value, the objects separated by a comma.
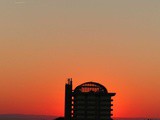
[{"x": 88, "y": 101}]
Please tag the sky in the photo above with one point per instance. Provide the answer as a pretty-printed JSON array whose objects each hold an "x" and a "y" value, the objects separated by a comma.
[{"x": 113, "y": 42}]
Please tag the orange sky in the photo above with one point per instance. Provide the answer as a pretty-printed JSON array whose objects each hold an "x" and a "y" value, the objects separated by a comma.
[{"x": 42, "y": 43}]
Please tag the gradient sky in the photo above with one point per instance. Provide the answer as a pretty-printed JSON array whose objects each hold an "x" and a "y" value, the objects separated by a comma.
[{"x": 113, "y": 42}]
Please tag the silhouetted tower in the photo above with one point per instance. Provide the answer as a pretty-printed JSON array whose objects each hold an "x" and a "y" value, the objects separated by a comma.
[
  {"x": 88, "y": 101},
  {"x": 68, "y": 99}
]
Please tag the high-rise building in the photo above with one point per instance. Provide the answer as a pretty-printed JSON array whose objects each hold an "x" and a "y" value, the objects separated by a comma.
[{"x": 88, "y": 101}]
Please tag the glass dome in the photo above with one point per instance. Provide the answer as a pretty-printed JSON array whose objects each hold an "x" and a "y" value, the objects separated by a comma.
[{"x": 91, "y": 87}]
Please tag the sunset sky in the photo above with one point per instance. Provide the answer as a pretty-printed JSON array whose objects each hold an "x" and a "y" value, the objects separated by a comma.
[{"x": 113, "y": 42}]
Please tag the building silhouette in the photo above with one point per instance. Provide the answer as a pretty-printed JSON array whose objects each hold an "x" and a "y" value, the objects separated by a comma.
[{"x": 88, "y": 101}]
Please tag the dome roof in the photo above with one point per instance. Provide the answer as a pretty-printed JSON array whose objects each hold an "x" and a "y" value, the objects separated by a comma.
[{"x": 91, "y": 87}]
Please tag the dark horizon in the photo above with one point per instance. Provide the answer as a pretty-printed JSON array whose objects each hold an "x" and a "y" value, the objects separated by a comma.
[{"x": 51, "y": 117}]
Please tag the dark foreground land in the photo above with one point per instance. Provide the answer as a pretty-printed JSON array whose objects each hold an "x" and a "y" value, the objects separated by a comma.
[
  {"x": 26, "y": 117},
  {"x": 45, "y": 117}
]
